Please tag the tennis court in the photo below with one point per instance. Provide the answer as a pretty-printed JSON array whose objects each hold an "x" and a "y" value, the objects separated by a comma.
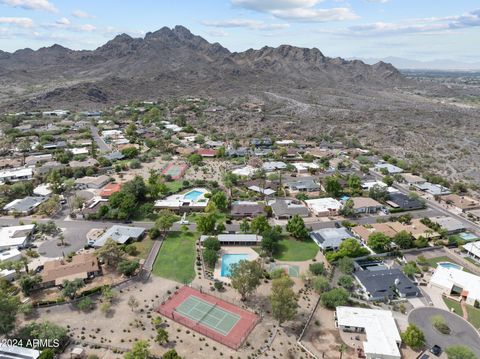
[
  {"x": 208, "y": 314},
  {"x": 217, "y": 319},
  {"x": 291, "y": 270},
  {"x": 174, "y": 170}
]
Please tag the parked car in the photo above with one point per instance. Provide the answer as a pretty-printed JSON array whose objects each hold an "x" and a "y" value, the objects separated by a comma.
[{"x": 436, "y": 350}]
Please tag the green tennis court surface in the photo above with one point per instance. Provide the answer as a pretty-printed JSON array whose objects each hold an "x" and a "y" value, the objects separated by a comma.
[
  {"x": 208, "y": 314},
  {"x": 291, "y": 270}
]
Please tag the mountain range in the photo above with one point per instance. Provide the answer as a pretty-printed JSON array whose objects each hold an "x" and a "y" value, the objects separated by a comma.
[
  {"x": 172, "y": 62},
  {"x": 438, "y": 64}
]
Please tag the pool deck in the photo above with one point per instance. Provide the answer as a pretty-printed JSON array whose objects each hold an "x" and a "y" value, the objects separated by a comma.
[{"x": 217, "y": 273}]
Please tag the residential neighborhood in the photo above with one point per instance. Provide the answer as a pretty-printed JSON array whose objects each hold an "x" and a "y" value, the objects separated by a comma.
[{"x": 133, "y": 220}]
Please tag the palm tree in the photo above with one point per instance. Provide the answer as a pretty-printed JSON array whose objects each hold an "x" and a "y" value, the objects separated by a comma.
[{"x": 342, "y": 348}]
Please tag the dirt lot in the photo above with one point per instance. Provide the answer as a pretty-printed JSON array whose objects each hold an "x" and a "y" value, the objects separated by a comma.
[{"x": 121, "y": 327}]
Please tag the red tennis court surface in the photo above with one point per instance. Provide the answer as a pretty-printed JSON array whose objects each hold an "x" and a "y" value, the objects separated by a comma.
[
  {"x": 219, "y": 320},
  {"x": 174, "y": 170}
]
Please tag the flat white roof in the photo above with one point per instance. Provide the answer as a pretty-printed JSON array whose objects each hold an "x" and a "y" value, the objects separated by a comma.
[
  {"x": 16, "y": 172},
  {"x": 473, "y": 248},
  {"x": 323, "y": 204},
  {"x": 246, "y": 171},
  {"x": 181, "y": 200},
  {"x": 10, "y": 254},
  {"x": 42, "y": 190},
  {"x": 15, "y": 352},
  {"x": 449, "y": 277},
  {"x": 15, "y": 236},
  {"x": 303, "y": 166},
  {"x": 380, "y": 328},
  {"x": 370, "y": 184}
]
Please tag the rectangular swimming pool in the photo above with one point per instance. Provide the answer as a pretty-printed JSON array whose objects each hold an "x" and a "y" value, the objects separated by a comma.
[
  {"x": 192, "y": 195},
  {"x": 229, "y": 259}
]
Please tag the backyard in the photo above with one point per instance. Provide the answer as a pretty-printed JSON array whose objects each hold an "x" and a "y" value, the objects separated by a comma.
[
  {"x": 473, "y": 313},
  {"x": 176, "y": 258},
  {"x": 291, "y": 250},
  {"x": 143, "y": 247}
]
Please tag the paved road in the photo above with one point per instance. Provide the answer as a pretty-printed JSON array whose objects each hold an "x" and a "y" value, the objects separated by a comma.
[
  {"x": 462, "y": 332},
  {"x": 102, "y": 146}
]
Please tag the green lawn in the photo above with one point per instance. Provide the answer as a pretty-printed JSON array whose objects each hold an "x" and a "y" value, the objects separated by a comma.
[
  {"x": 176, "y": 259},
  {"x": 174, "y": 186},
  {"x": 473, "y": 313},
  {"x": 432, "y": 262},
  {"x": 291, "y": 250},
  {"x": 143, "y": 247}
]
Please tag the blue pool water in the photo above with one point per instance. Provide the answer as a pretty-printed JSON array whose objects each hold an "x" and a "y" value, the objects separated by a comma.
[
  {"x": 468, "y": 236},
  {"x": 228, "y": 260},
  {"x": 450, "y": 265},
  {"x": 192, "y": 195}
]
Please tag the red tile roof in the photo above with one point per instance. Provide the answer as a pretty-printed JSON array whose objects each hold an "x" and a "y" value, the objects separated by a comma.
[{"x": 110, "y": 189}]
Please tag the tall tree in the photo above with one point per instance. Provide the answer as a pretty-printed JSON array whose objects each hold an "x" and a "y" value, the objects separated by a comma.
[
  {"x": 245, "y": 277},
  {"x": 332, "y": 186},
  {"x": 283, "y": 299},
  {"x": 165, "y": 221},
  {"x": 111, "y": 253},
  {"x": 140, "y": 350},
  {"x": 9, "y": 307},
  {"x": 296, "y": 227}
]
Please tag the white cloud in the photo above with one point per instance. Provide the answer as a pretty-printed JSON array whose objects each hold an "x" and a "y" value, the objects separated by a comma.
[
  {"x": 378, "y": 1},
  {"x": 44, "y": 5},
  {"x": 81, "y": 14},
  {"x": 316, "y": 15},
  {"x": 270, "y": 5},
  {"x": 297, "y": 10},
  {"x": 63, "y": 21},
  {"x": 86, "y": 27},
  {"x": 246, "y": 23},
  {"x": 433, "y": 25},
  {"x": 217, "y": 33},
  {"x": 18, "y": 21}
]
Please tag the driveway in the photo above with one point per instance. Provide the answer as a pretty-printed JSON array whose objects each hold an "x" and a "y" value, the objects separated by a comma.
[{"x": 462, "y": 332}]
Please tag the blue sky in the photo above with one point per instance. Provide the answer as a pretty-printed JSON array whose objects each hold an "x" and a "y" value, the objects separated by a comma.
[{"x": 415, "y": 29}]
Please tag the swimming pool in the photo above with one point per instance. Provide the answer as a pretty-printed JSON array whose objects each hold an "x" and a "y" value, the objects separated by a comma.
[
  {"x": 192, "y": 195},
  {"x": 229, "y": 259},
  {"x": 467, "y": 236},
  {"x": 450, "y": 265}
]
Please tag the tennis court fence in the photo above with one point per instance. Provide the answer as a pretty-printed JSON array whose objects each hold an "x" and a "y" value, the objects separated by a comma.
[{"x": 233, "y": 343}]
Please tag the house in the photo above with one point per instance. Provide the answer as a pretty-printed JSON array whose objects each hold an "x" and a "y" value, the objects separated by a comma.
[
  {"x": 303, "y": 185},
  {"x": 79, "y": 151},
  {"x": 385, "y": 284},
  {"x": 245, "y": 209},
  {"x": 114, "y": 156},
  {"x": 433, "y": 189},
  {"x": 34, "y": 159},
  {"x": 457, "y": 282},
  {"x": 367, "y": 185},
  {"x": 193, "y": 200},
  {"x": 329, "y": 239},
  {"x": 16, "y": 174},
  {"x": 273, "y": 166},
  {"x": 92, "y": 182},
  {"x": 207, "y": 152},
  {"x": 238, "y": 152},
  {"x": 364, "y": 232},
  {"x": 460, "y": 203},
  {"x": 236, "y": 239},
  {"x": 16, "y": 352},
  {"x": 120, "y": 234},
  {"x": 365, "y": 205},
  {"x": 49, "y": 166},
  {"x": 10, "y": 255},
  {"x": 265, "y": 191},
  {"x": 24, "y": 206},
  {"x": 304, "y": 167},
  {"x": 324, "y": 207},
  {"x": 382, "y": 339},
  {"x": 473, "y": 250},
  {"x": 402, "y": 201},
  {"x": 82, "y": 266},
  {"x": 287, "y": 208},
  {"x": 15, "y": 236},
  {"x": 110, "y": 189},
  {"x": 89, "y": 162},
  {"x": 416, "y": 228},
  {"x": 93, "y": 206},
  {"x": 246, "y": 171},
  {"x": 43, "y": 190},
  {"x": 412, "y": 179},
  {"x": 391, "y": 169},
  {"x": 450, "y": 224}
]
